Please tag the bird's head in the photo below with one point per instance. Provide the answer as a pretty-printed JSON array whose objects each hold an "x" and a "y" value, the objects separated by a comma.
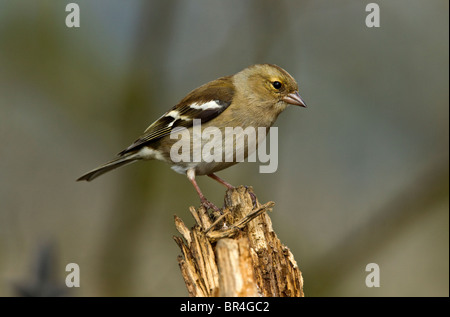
[{"x": 272, "y": 85}]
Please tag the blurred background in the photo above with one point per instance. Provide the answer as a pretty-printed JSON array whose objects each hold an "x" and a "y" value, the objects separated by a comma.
[{"x": 363, "y": 172}]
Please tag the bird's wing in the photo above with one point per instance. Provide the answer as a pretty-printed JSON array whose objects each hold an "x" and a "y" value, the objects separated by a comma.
[{"x": 203, "y": 103}]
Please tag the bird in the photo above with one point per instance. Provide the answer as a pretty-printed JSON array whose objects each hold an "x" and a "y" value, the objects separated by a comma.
[{"x": 252, "y": 98}]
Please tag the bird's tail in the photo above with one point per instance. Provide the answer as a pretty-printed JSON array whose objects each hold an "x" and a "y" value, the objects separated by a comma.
[{"x": 118, "y": 162}]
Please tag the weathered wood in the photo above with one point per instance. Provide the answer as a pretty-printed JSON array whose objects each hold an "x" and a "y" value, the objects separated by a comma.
[{"x": 236, "y": 253}]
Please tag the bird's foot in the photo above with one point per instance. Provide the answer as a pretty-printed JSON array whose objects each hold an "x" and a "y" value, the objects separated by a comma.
[
  {"x": 252, "y": 196},
  {"x": 209, "y": 205}
]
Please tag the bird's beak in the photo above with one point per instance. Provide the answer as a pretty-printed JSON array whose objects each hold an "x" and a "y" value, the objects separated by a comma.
[{"x": 294, "y": 99}]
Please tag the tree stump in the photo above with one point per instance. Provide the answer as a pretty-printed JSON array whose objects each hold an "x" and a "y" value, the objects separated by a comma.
[{"x": 236, "y": 253}]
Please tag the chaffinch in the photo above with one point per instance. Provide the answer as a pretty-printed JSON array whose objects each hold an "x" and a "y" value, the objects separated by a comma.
[{"x": 253, "y": 97}]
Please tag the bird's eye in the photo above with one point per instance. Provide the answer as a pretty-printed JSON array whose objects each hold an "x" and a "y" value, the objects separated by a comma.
[{"x": 276, "y": 84}]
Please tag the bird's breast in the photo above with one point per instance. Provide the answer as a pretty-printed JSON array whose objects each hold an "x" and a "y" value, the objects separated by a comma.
[{"x": 211, "y": 149}]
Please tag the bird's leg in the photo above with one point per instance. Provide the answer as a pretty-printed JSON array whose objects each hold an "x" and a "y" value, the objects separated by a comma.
[
  {"x": 220, "y": 180},
  {"x": 229, "y": 186},
  {"x": 205, "y": 202}
]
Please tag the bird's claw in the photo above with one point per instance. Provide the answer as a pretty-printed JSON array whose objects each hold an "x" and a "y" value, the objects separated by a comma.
[
  {"x": 252, "y": 196},
  {"x": 209, "y": 205}
]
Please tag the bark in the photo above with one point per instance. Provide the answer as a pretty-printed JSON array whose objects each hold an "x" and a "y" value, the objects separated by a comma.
[{"x": 236, "y": 253}]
